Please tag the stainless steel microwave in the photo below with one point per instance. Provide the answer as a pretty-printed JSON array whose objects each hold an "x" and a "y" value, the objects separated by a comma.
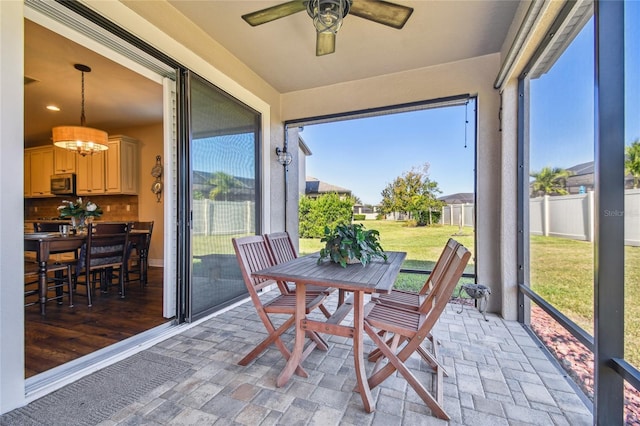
[{"x": 63, "y": 184}]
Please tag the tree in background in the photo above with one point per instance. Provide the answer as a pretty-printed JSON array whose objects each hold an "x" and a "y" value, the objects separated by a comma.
[
  {"x": 224, "y": 184},
  {"x": 550, "y": 181},
  {"x": 326, "y": 210},
  {"x": 413, "y": 193},
  {"x": 632, "y": 161}
]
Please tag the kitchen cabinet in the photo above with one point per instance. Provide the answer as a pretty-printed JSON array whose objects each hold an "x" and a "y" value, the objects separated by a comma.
[
  {"x": 64, "y": 160},
  {"x": 27, "y": 173},
  {"x": 90, "y": 174},
  {"x": 38, "y": 170},
  {"x": 121, "y": 166}
]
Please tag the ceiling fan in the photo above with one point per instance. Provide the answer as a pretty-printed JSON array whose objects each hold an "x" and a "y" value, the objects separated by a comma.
[{"x": 327, "y": 16}]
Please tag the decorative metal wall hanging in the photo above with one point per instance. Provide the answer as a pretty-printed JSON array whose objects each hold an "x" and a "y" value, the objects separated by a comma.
[{"x": 156, "y": 172}]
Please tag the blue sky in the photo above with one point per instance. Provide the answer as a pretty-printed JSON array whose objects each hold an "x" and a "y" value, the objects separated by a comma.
[{"x": 365, "y": 155}]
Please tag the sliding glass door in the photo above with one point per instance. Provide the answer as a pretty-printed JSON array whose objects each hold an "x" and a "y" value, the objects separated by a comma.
[{"x": 225, "y": 194}]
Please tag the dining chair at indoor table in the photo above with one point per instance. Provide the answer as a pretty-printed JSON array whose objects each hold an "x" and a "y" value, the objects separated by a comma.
[
  {"x": 43, "y": 244},
  {"x": 377, "y": 277}
]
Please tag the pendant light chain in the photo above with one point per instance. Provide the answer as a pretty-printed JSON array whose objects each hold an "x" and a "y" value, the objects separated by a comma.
[{"x": 82, "y": 117}]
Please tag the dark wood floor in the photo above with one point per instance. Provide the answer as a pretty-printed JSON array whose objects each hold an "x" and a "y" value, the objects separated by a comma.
[{"x": 65, "y": 333}]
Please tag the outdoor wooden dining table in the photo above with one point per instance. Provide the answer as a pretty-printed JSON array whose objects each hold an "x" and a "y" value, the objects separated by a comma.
[
  {"x": 376, "y": 277},
  {"x": 45, "y": 243}
]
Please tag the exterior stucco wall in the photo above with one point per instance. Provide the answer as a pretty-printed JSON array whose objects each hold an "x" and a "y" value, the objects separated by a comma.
[{"x": 473, "y": 76}]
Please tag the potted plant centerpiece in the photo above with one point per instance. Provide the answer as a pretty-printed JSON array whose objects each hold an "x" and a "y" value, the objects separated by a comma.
[
  {"x": 351, "y": 243},
  {"x": 79, "y": 212}
]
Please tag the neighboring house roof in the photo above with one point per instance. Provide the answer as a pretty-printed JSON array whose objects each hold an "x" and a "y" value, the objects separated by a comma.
[
  {"x": 582, "y": 169},
  {"x": 458, "y": 198},
  {"x": 315, "y": 186}
]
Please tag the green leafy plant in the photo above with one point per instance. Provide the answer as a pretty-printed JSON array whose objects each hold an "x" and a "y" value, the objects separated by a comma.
[
  {"x": 347, "y": 243},
  {"x": 79, "y": 209}
]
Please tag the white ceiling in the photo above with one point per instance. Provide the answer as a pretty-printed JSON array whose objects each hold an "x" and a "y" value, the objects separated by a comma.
[{"x": 282, "y": 52}]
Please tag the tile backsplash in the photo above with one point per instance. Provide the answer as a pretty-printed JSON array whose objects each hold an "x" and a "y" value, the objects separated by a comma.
[{"x": 114, "y": 207}]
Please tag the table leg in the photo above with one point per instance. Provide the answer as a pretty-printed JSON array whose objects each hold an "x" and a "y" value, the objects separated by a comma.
[
  {"x": 42, "y": 286},
  {"x": 358, "y": 351},
  {"x": 143, "y": 267},
  {"x": 298, "y": 346}
]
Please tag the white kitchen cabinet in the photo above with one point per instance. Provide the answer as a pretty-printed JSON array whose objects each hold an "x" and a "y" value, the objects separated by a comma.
[
  {"x": 121, "y": 166},
  {"x": 64, "y": 160},
  {"x": 38, "y": 171},
  {"x": 90, "y": 174}
]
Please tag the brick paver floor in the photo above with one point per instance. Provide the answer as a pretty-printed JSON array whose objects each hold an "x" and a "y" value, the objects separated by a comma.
[{"x": 498, "y": 375}]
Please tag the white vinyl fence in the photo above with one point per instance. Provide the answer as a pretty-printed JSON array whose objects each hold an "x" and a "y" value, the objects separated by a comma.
[
  {"x": 572, "y": 216},
  {"x": 563, "y": 216},
  {"x": 458, "y": 214},
  {"x": 223, "y": 217}
]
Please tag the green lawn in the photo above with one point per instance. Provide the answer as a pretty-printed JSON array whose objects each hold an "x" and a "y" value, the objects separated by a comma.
[{"x": 562, "y": 271}]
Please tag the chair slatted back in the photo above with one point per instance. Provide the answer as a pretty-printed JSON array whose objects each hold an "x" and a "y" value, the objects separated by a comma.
[
  {"x": 253, "y": 255},
  {"x": 281, "y": 247},
  {"x": 282, "y": 250},
  {"x": 440, "y": 266},
  {"x": 440, "y": 295},
  {"x": 106, "y": 245},
  {"x": 48, "y": 226}
]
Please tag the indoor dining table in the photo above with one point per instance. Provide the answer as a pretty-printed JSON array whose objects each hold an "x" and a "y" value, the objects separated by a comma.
[
  {"x": 376, "y": 277},
  {"x": 46, "y": 243}
]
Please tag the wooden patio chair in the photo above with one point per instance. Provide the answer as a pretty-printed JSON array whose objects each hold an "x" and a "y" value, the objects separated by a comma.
[
  {"x": 409, "y": 328},
  {"x": 282, "y": 249},
  {"x": 411, "y": 299},
  {"x": 253, "y": 255}
]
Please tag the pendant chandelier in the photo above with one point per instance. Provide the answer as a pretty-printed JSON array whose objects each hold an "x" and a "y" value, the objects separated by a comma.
[{"x": 81, "y": 139}]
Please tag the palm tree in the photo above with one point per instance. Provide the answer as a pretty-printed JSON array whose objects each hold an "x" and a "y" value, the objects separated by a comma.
[
  {"x": 550, "y": 181},
  {"x": 632, "y": 161},
  {"x": 223, "y": 184}
]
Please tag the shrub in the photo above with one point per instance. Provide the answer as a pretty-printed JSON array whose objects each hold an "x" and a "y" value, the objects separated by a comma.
[
  {"x": 326, "y": 210},
  {"x": 359, "y": 217}
]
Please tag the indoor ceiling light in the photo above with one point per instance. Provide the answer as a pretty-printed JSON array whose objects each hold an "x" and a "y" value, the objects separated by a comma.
[
  {"x": 53, "y": 108},
  {"x": 81, "y": 139}
]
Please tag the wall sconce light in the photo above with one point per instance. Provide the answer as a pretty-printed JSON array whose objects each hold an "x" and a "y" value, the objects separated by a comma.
[{"x": 284, "y": 157}]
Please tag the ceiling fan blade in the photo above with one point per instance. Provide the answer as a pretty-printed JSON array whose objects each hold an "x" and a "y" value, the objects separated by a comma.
[
  {"x": 275, "y": 12},
  {"x": 382, "y": 12},
  {"x": 325, "y": 43}
]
